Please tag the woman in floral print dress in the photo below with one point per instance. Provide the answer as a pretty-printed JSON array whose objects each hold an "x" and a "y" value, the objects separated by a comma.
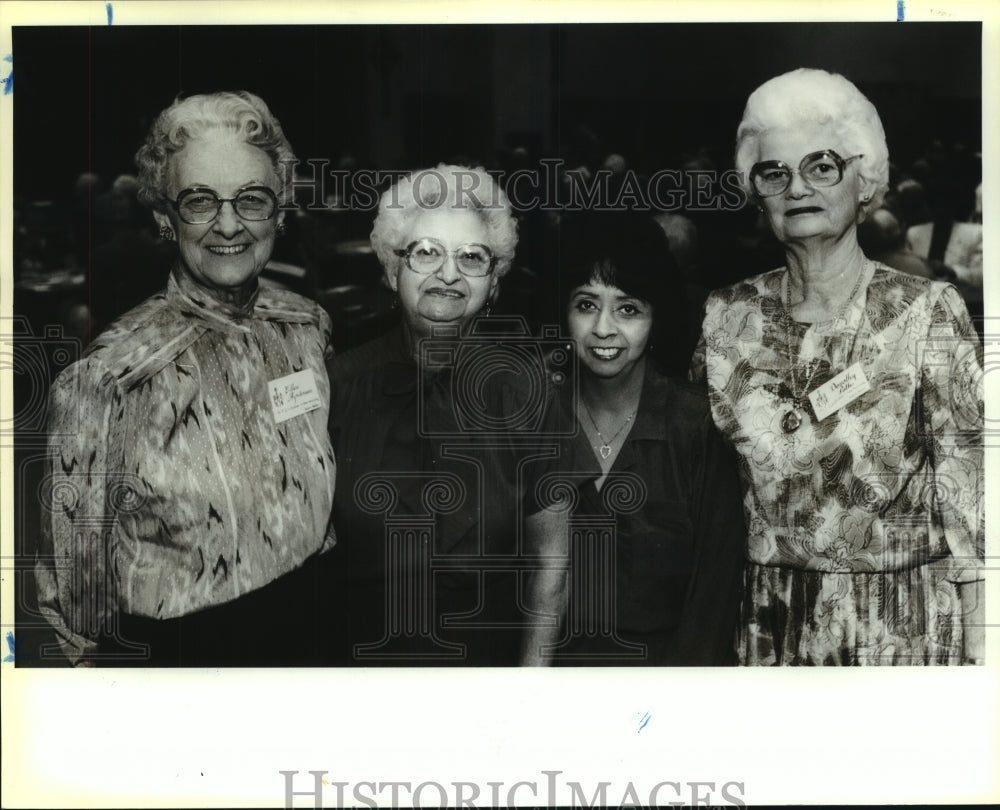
[
  {"x": 853, "y": 395},
  {"x": 191, "y": 472}
]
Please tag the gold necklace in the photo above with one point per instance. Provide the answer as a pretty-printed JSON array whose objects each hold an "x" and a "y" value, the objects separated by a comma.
[
  {"x": 605, "y": 448},
  {"x": 792, "y": 420}
]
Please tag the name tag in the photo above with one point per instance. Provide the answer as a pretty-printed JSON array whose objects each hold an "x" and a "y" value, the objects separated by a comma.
[
  {"x": 293, "y": 395},
  {"x": 838, "y": 392}
]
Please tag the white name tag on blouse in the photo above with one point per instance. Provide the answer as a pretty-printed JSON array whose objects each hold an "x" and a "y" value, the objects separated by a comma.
[
  {"x": 293, "y": 395},
  {"x": 838, "y": 392}
]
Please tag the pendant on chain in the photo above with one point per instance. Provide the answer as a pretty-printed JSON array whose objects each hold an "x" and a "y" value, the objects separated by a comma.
[
  {"x": 605, "y": 450},
  {"x": 791, "y": 421}
]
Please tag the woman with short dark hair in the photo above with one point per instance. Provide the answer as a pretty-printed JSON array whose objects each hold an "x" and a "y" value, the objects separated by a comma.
[{"x": 637, "y": 526}]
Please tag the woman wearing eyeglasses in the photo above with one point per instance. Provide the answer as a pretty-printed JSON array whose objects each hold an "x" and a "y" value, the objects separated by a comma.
[
  {"x": 853, "y": 395},
  {"x": 423, "y": 494},
  {"x": 192, "y": 475}
]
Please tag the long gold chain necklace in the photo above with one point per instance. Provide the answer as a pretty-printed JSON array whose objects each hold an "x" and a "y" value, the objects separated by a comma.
[
  {"x": 605, "y": 448},
  {"x": 792, "y": 420}
]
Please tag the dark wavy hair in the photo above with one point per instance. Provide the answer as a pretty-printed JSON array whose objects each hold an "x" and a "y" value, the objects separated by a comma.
[{"x": 631, "y": 252}]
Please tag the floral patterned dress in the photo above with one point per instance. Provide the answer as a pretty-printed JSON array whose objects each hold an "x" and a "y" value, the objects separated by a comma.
[{"x": 861, "y": 525}]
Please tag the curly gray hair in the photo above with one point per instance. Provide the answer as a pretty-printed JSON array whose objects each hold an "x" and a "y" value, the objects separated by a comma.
[
  {"x": 190, "y": 118},
  {"x": 457, "y": 187}
]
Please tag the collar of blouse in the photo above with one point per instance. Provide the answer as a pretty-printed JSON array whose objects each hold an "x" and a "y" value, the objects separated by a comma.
[
  {"x": 193, "y": 299},
  {"x": 649, "y": 425}
]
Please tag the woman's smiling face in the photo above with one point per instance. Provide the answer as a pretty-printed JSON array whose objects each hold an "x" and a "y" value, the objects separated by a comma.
[
  {"x": 227, "y": 254},
  {"x": 446, "y": 296},
  {"x": 610, "y": 328}
]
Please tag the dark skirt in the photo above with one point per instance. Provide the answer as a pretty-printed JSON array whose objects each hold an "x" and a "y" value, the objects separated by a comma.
[
  {"x": 282, "y": 624},
  {"x": 460, "y": 625}
]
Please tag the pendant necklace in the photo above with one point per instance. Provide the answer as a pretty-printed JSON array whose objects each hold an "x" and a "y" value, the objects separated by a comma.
[
  {"x": 605, "y": 448},
  {"x": 792, "y": 420}
]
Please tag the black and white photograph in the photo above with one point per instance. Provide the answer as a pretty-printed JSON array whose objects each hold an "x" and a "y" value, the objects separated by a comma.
[{"x": 439, "y": 406}]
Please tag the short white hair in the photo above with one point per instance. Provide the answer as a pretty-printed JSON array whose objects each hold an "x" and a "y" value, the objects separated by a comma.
[
  {"x": 451, "y": 186},
  {"x": 811, "y": 96}
]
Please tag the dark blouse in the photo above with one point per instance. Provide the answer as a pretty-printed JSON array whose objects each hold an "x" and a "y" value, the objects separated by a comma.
[
  {"x": 673, "y": 499},
  {"x": 426, "y": 514}
]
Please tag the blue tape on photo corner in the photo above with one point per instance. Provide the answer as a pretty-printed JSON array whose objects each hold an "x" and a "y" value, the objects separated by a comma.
[
  {"x": 111, "y": 13},
  {"x": 900, "y": 11}
]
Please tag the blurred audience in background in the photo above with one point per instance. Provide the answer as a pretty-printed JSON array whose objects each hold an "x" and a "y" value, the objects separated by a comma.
[
  {"x": 937, "y": 211},
  {"x": 883, "y": 239},
  {"x": 74, "y": 257},
  {"x": 128, "y": 262}
]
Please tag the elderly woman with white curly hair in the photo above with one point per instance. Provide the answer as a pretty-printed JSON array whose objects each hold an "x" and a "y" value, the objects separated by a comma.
[
  {"x": 853, "y": 395},
  {"x": 413, "y": 485},
  {"x": 192, "y": 475}
]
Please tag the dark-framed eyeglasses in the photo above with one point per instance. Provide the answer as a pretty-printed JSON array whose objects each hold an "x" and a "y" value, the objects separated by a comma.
[
  {"x": 198, "y": 206},
  {"x": 818, "y": 169},
  {"x": 426, "y": 256}
]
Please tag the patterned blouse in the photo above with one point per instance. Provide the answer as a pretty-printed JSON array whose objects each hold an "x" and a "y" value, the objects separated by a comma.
[
  {"x": 172, "y": 487},
  {"x": 892, "y": 480}
]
